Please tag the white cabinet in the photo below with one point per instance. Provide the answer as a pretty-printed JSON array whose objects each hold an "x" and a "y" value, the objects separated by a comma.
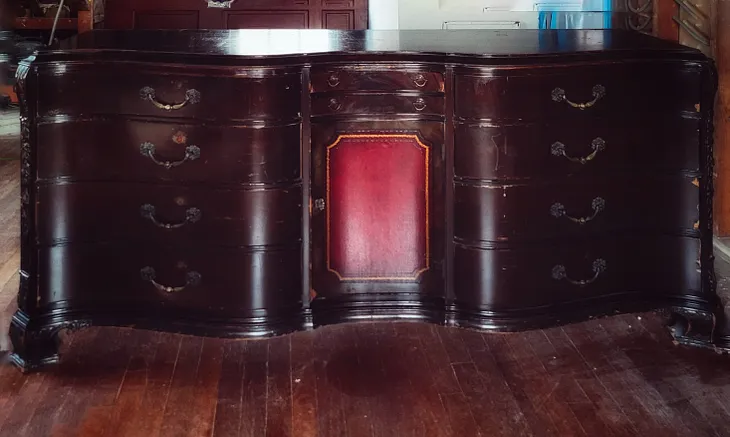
[{"x": 486, "y": 14}]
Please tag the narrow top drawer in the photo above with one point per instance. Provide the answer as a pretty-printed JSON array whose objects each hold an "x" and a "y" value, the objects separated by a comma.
[
  {"x": 577, "y": 92},
  {"x": 159, "y": 92},
  {"x": 347, "y": 79}
]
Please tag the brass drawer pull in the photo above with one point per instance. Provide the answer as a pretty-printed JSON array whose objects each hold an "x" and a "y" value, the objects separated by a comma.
[
  {"x": 598, "y": 92},
  {"x": 191, "y": 96},
  {"x": 192, "y": 215},
  {"x": 148, "y": 149},
  {"x": 420, "y": 80},
  {"x": 333, "y": 80},
  {"x": 319, "y": 205},
  {"x": 599, "y": 266},
  {"x": 598, "y": 145},
  {"x": 192, "y": 279},
  {"x": 335, "y": 105},
  {"x": 419, "y": 105},
  {"x": 557, "y": 210}
]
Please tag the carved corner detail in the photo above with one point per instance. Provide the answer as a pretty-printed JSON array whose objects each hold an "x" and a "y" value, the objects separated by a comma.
[
  {"x": 35, "y": 347},
  {"x": 691, "y": 326}
]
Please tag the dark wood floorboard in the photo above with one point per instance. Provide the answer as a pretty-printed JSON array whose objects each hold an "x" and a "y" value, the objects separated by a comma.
[{"x": 616, "y": 376}]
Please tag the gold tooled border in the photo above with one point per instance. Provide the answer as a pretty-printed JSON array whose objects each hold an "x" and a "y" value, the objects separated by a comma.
[{"x": 417, "y": 273}]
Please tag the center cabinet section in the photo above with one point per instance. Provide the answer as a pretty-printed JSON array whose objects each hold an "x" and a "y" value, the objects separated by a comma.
[{"x": 377, "y": 216}]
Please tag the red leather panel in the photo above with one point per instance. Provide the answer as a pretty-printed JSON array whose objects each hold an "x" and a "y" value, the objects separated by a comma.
[{"x": 377, "y": 207}]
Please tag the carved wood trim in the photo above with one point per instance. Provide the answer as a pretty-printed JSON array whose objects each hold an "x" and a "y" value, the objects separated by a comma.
[{"x": 27, "y": 196}]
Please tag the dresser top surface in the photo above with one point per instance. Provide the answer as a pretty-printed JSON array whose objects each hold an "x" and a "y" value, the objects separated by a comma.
[{"x": 472, "y": 43}]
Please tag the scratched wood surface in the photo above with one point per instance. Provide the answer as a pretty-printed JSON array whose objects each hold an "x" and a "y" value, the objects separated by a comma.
[{"x": 618, "y": 376}]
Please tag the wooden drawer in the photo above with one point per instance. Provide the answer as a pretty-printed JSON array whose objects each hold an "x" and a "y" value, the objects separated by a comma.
[
  {"x": 341, "y": 79},
  {"x": 221, "y": 281},
  {"x": 377, "y": 104},
  {"x": 548, "y": 150},
  {"x": 111, "y": 149},
  {"x": 606, "y": 90},
  {"x": 576, "y": 208},
  {"x": 92, "y": 212},
  {"x": 539, "y": 276},
  {"x": 213, "y": 94}
]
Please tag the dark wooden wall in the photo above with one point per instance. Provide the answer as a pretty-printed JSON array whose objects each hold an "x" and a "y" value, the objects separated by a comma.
[
  {"x": 243, "y": 14},
  {"x": 721, "y": 50}
]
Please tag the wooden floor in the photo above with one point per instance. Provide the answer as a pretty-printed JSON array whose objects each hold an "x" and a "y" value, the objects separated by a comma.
[
  {"x": 618, "y": 376},
  {"x": 9, "y": 128}
]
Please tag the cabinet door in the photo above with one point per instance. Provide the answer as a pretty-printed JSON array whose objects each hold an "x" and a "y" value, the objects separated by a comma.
[
  {"x": 377, "y": 207},
  {"x": 161, "y": 14}
]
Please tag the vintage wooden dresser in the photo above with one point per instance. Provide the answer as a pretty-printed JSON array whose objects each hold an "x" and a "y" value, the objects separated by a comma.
[{"x": 259, "y": 182}]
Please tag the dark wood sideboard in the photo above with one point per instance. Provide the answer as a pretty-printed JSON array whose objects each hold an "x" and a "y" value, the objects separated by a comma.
[
  {"x": 236, "y": 14},
  {"x": 254, "y": 183}
]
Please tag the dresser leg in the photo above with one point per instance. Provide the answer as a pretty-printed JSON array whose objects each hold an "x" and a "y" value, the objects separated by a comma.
[
  {"x": 693, "y": 327},
  {"x": 36, "y": 346}
]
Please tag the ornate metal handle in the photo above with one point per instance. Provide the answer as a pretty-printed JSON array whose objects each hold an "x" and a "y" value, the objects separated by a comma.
[
  {"x": 599, "y": 266},
  {"x": 319, "y": 205},
  {"x": 420, "y": 80},
  {"x": 335, "y": 105},
  {"x": 333, "y": 80},
  {"x": 192, "y": 215},
  {"x": 191, "y": 96},
  {"x": 598, "y": 91},
  {"x": 557, "y": 210},
  {"x": 192, "y": 279},
  {"x": 419, "y": 104},
  {"x": 148, "y": 149},
  {"x": 598, "y": 145}
]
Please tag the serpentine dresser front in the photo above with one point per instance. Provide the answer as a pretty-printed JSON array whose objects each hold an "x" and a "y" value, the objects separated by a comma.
[{"x": 259, "y": 182}]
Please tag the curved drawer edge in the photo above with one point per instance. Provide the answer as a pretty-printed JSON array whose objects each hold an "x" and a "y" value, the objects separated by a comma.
[
  {"x": 371, "y": 308},
  {"x": 257, "y": 325},
  {"x": 573, "y": 312}
]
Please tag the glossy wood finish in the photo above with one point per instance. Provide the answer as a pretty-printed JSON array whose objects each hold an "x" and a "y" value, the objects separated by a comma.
[
  {"x": 169, "y": 213},
  {"x": 613, "y": 268},
  {"x": 305, "y": 178},
  {"x": 106, "y": 277},
  {"x": 353, "y": 104},
  {"x": 378, "y": 78},
  {"x": 206, "y": 93},
  {"x": 239, "y": 14},
  {"x": 503, "y": 47},
  {"x": 564, "y": 210},
  {"x": 626, "y": 147},
  {"x": 241, "y": 154},
  {"x": 612, "y": 89}
]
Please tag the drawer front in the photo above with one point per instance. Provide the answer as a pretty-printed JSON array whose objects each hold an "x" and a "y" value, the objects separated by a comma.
[
  {"x": 94, "y": 212},
  {"x": 601, "y": 90},
  {"x": 115, "y": 149},
  {"x": 537, "y": 276},
  {"x": 377, "y": 104},
  {"x": 549, "y": 150},
  {"x": 232, "y": 282},
  {"x": 208, "y": 95},
  {"x": 334, "y": 79},
  {"x": 502, "y": 213}
]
